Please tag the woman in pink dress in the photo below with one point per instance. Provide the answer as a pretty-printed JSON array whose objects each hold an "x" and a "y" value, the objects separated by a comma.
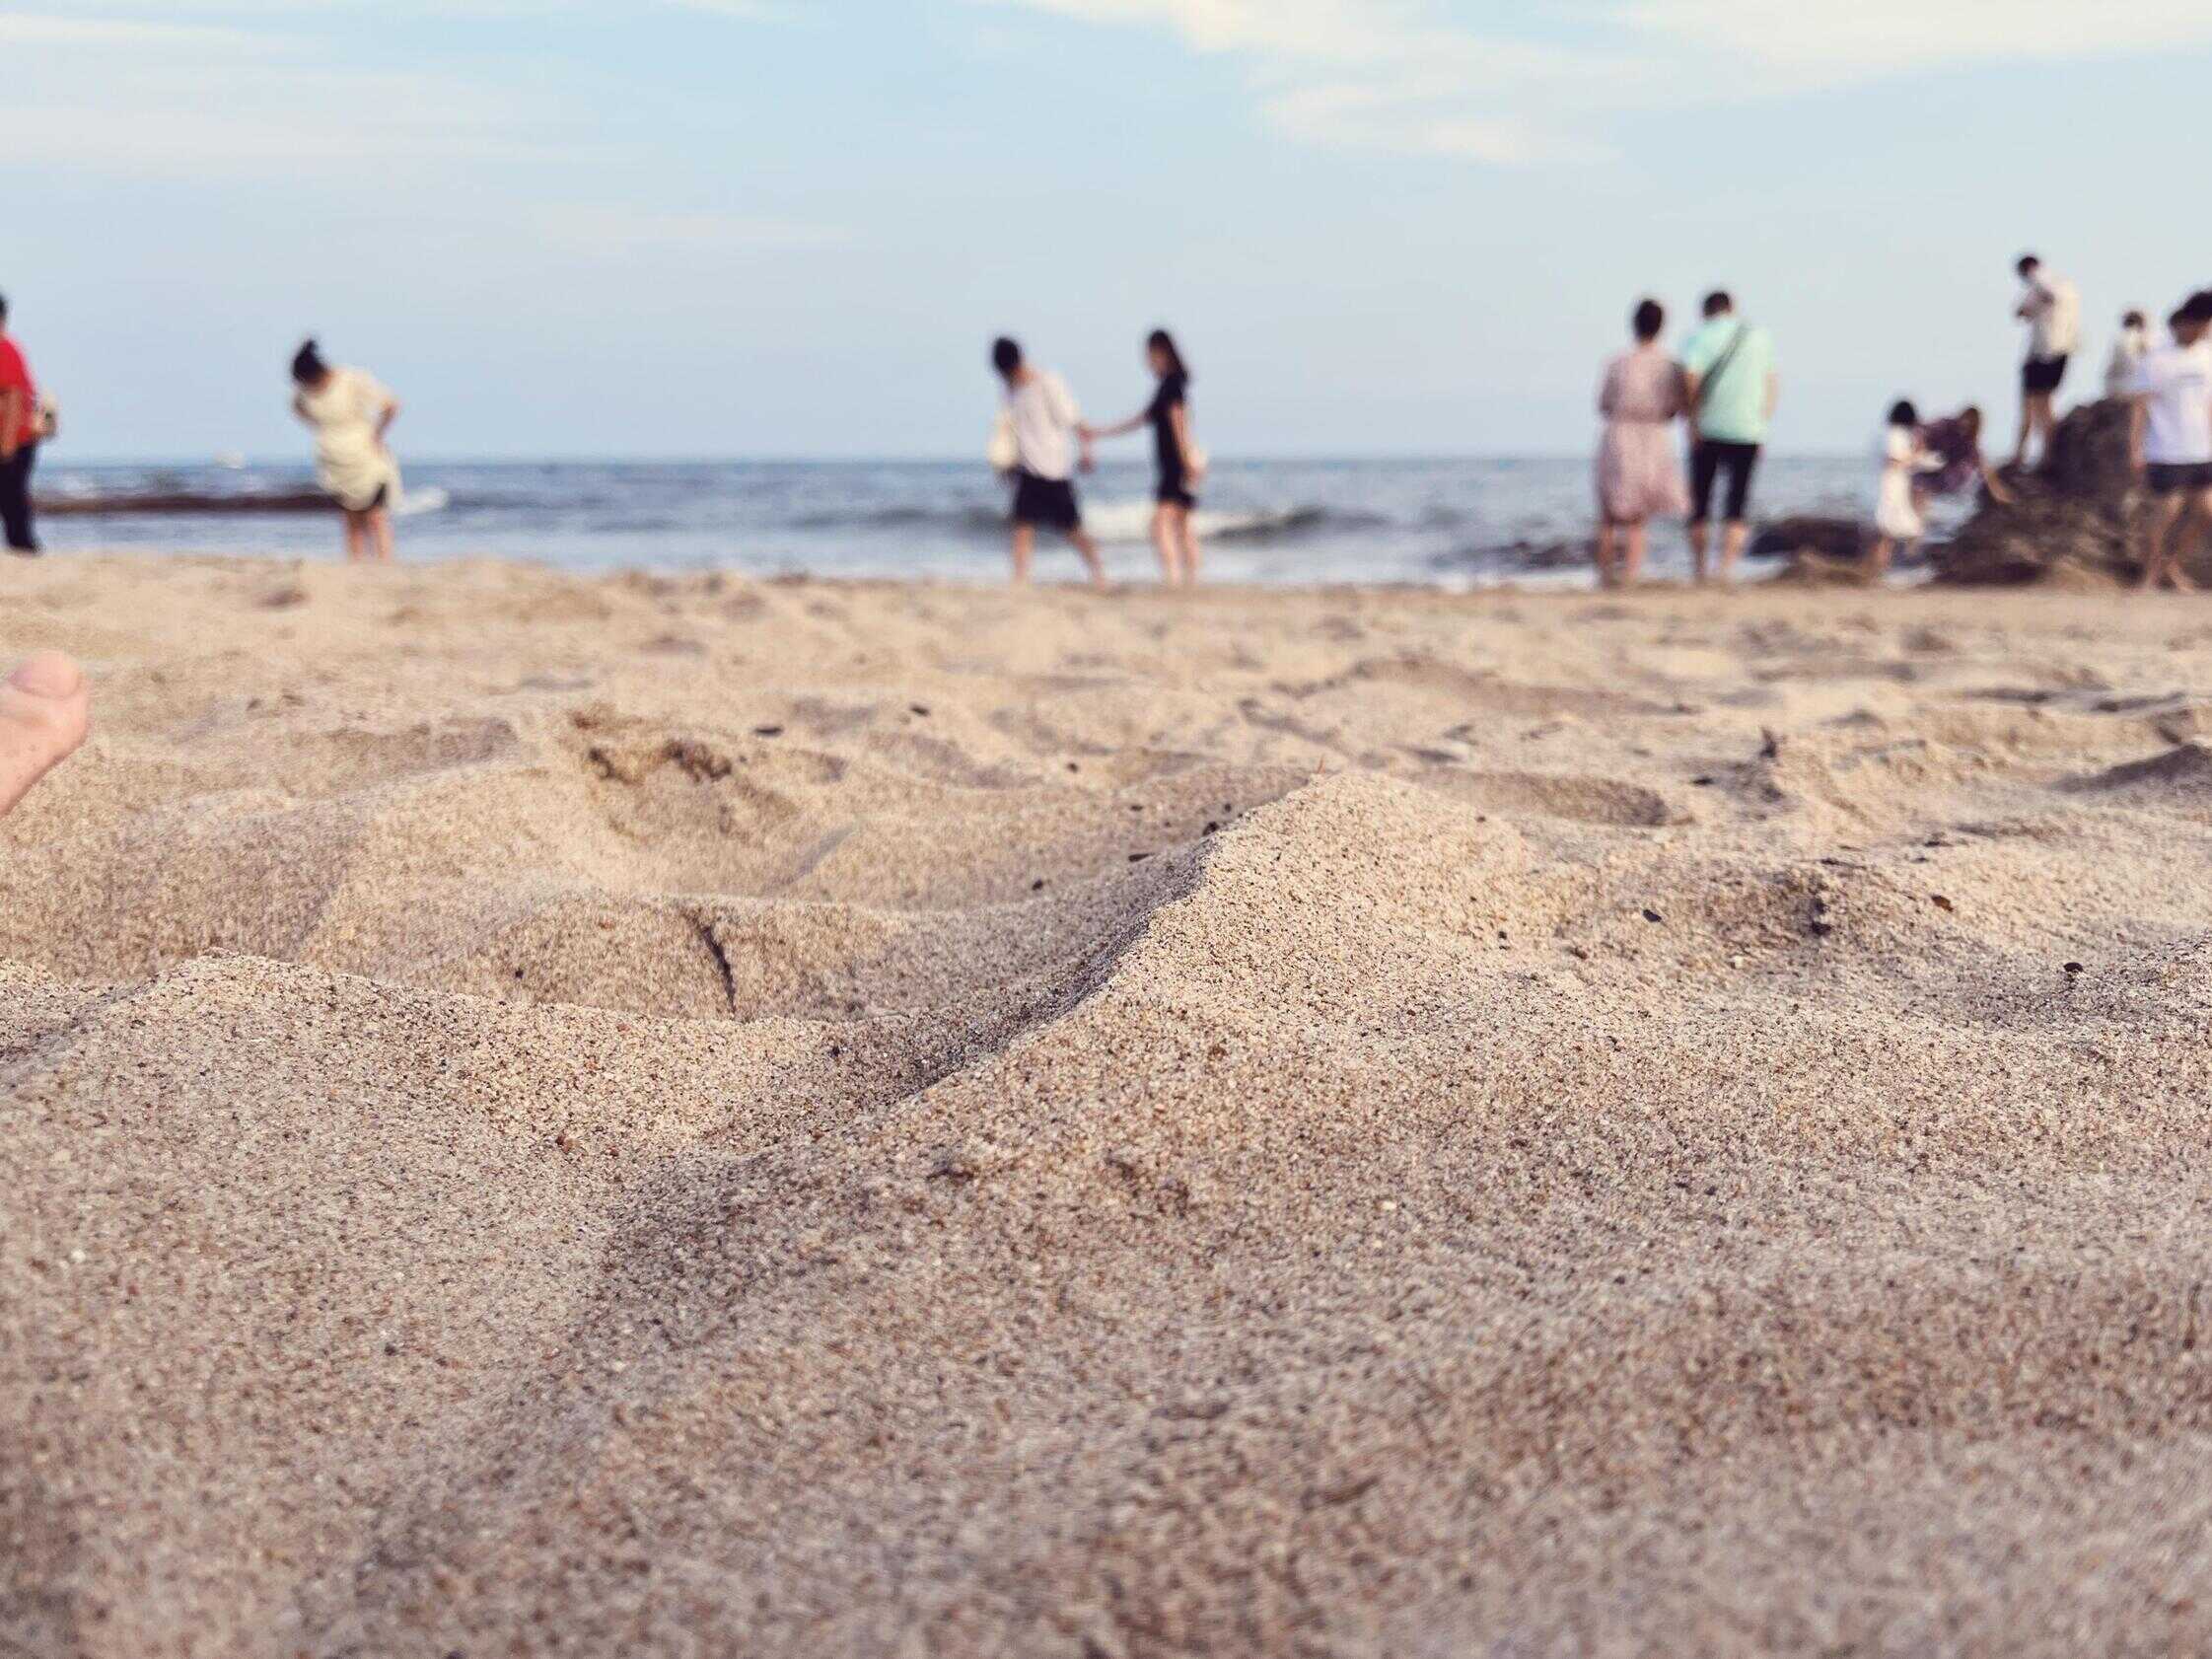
[{"x": 1639, "y": 474}]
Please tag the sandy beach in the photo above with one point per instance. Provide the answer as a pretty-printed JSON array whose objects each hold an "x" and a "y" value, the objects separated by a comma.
[{"x": 685, "y": 1117}]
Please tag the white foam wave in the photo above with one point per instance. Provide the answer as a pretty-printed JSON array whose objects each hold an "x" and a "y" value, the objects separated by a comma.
[{"x": 1116, "y": 523}]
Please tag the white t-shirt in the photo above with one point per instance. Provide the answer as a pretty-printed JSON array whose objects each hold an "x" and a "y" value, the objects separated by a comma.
[
  {"x": 2127, "y": 353},
  {"x": 2177, "y": 382},
  {"x": 1044, "y": 422},
  {"x": 2054, "y": 317}
]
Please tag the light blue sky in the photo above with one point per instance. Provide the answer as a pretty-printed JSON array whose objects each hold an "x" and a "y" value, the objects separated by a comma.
[{"x": 790, "y": 227}]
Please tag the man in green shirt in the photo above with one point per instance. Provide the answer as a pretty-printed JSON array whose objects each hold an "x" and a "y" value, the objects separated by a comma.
[{"x": 1733, "y": 390}]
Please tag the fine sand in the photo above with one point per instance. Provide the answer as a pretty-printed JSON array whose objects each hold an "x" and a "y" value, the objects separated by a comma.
[{"x": 699, "y": 1118}]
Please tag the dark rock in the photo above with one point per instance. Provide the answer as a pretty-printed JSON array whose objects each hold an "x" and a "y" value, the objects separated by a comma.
[
  {"x": 2074, "y": 522},
  {"x": 1830, "y": 537},
  {"x": 1517, "y": 554},
  {"x": 178, "y": 503}
]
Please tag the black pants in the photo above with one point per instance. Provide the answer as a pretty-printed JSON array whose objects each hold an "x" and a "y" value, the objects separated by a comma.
[
  {"x": 1711, "y": 458},
  {"x": 15, "y": 498}
]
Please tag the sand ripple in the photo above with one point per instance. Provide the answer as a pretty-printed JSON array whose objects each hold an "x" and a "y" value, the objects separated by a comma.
[{"x": 663, "y": 1116}]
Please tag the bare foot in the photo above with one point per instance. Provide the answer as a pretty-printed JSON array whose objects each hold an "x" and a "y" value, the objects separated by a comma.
[{"x": 46, "y": 709}]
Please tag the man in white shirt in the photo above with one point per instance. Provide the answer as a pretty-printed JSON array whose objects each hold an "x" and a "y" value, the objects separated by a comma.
[
  {"x": 2169, "y": 440},
  {"x": 1044, "y": 418},
  {"x": 2052, "y": 307}
]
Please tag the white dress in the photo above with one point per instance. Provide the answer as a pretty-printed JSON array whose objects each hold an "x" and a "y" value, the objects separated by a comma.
[
  {"x": 1894, "y": 513},
  {"x": 350, "y": 464}
]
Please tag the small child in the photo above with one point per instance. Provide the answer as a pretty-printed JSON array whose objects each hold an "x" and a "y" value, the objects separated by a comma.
[
  {"x": 2127, "y": 354},
  {"x": 1896, "y": 510}
]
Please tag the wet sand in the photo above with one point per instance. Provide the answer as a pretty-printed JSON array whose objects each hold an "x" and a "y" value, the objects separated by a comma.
[{"x": 692, "y": 1117}]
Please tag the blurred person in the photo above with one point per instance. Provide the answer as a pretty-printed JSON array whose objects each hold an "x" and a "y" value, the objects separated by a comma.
[
  {"x": 2052, "y": 307},
  {"x": 1898, "y": 524},
  {"x": 1042, "y": 424},
  {"x": 22, "y": 426},
  {"x": 1181, "y": 464},
  {"x": 1955, "y": 443},
  {"x": 2128, "y": 351},
  {"x": 1733, "y": 390},
  {"x": 350, "y": 414},
  {"x": 2170, "y": 441},
  {"x": 1639, "y": 474}
]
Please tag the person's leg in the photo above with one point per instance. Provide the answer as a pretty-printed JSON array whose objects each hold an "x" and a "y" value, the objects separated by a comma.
[
  {"x": 2196, "y": 518},
  {"x": 1632, "y": 555},
  {"x": 379, "y": 531},
  {"x": 2164, "y": 515},
  {"x": 1733, "y": 539},
  {"x": 1605, "y": 552},
  {"x": 1025, "y": 547},
  {"x": 1186, "y": 519},
  {"x": 2027, "y": 420},
  {"x": 1089, "y": 548},
  {"x": 1742, "y": 462},
  {"x": 1704, "y": 473},
  {"x": 356, "y": 535},
  {"x": 14, "y": 500},
  {"x": 46, "y": 709},
  {"x": 2041, "y": 421},
  {"x": 1878, "y": 558},
  {"x": 1167, "y": 543}
]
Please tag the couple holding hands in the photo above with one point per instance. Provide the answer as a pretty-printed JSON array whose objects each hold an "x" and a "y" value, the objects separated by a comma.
[{"x": 1036, "y": 444}]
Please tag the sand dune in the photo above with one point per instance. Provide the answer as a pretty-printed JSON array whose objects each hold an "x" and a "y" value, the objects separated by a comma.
[{"x": 685, "y": 1117}]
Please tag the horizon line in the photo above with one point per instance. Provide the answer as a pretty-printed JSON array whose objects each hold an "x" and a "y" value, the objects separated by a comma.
[{"x": 294, "y": 458}]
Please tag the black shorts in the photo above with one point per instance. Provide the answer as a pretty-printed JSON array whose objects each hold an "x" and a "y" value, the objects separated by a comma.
[
  {"x": 1707, "y": 462},
  {"x": 1175, "y": 490},
  {"x": 2166, "y": 479},
  {"x": 2043, "y": 374},
  {"x": 1049, "y": 502}
]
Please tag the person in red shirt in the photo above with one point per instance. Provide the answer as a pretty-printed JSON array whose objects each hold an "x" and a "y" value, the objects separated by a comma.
[{"x": 18, "y": 440}]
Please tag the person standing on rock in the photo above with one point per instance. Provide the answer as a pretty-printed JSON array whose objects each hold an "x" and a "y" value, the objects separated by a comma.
[
  {"x": 2127, "y": 351},
  {"x": 1956, "y": 442},
  {"x": 2170, "y": 441},
  {"x": 2052, "y": 307},
  {"x": 1728, "y": 365}
]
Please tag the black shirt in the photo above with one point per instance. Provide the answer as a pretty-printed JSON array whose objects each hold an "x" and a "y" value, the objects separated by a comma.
[{"x": 1164, "y": 403}]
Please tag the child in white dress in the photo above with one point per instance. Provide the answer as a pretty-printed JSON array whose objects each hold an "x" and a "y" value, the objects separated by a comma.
[{"x": 1896, "y": 508}]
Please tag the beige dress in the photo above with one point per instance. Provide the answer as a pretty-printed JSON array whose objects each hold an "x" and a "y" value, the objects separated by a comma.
[
  {"x": 350, "y": 464},
  {"x": 1639, "y": 474}
]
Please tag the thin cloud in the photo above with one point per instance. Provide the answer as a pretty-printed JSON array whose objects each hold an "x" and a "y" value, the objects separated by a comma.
[
  {"x": 1404, "y": 76},
  {"x": 1385, "y": 75},
  {"x": 168, "y": 98},
  {"x": 1835, "y": 44}
]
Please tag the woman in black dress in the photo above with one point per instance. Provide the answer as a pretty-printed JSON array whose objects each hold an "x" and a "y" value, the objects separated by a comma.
[{"x": 1181, "y": 464}]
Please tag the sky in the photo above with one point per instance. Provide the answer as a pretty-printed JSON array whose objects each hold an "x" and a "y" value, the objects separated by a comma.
[{"x": 790, "y": 227}]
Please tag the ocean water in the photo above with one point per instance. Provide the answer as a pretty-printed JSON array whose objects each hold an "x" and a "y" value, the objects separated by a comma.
[{"x": 1452, "y": 522}]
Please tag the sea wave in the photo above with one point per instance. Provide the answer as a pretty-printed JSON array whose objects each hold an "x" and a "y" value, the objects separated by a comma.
[{"x": 1114, "y": 520}]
